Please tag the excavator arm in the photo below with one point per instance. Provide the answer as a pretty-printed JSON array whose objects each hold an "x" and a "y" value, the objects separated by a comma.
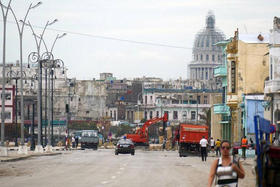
[{"x": 150, "y": 122}]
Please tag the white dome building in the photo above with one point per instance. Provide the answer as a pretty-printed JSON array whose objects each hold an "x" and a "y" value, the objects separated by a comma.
[{"x": 206, "y": 56}]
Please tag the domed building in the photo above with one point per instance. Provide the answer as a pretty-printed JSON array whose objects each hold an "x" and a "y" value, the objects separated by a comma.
[{"x": 206, "y": 56}]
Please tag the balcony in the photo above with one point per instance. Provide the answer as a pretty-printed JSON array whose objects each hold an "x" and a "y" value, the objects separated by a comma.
[
  {"x": 221, "y": 109},
  {"x": 220, "y": 71},
  {"x": 272, "y": 86}
]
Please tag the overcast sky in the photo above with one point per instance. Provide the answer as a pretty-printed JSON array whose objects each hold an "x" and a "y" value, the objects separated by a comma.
[{"x": 88, "y": 51}]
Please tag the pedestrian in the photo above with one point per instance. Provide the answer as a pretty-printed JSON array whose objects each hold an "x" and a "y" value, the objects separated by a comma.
[
  {"x": 212, "y": 144},
  {"x": 203, "y": 146},
  {"x": 218, "y": 145},
  {"x": 244, "y": 143},
  {"x": 226, "y": 170},
  {"x": 73, "y": 142},
  {"x": 66, "y": 142},
  {"x": 76, "y": 141},
  {"x": 252, "y": 145}
]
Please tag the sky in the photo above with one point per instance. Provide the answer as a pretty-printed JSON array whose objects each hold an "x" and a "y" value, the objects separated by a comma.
[{"x": 131, "y": 38}]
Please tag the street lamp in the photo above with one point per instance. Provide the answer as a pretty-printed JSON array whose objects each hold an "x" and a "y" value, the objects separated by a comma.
[
  {"x": 37, "y": 58},
  {"x": 71, "y": 84},
  {"x": 22, "y": 148},
  {"x": 51, "y": 66},
  {"x": 4, "y": 150},
  {"x": 16, "y": 75}
]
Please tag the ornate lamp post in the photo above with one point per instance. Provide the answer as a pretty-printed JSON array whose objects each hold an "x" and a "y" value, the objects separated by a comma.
[
  {"x": 3, "y": 150},
  {"x": 38, "y": 58},
  {"x": 51, "y": 66},
  {"x": 16, "y": 75},
  {"x": 22, "y": 148}
]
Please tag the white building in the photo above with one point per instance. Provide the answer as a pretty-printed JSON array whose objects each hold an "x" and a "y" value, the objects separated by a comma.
[
  {"x": 181, "y": 105},
  {"x": 272, "y": 86}
]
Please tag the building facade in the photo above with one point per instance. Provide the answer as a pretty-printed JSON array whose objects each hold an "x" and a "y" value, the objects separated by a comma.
[
  {"x": 272, "y": 86},
  {"x": 247, "y": 70}
]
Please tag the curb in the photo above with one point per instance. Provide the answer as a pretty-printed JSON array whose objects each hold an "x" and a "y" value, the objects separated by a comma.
[{"x": 28, "y": 156}]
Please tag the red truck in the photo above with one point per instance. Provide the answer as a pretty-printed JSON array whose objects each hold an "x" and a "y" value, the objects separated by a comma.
[{"x": 190, "y": 136}]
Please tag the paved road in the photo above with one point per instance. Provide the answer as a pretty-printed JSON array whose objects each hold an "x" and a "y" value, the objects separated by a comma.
[{"x": 103, "y": 168}]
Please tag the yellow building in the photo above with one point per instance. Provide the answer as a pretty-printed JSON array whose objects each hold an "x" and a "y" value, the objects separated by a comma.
[{"x": 247, "y": 69}]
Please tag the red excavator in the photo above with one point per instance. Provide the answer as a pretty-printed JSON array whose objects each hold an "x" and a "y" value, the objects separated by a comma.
[{"x": 141, "y": 135}]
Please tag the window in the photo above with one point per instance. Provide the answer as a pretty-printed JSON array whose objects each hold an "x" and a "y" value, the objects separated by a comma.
[
  {"x": 151, "y": 99},
  {"x": 184, "y": 114},
  {"x": 151, "y": 114},
  {"x": 132, "y": 115},
  {"x": 205, "y": 99},
  {"x": 146, "y": 98},
  {"x": 146, "y": 114},
  {"x": 271, "y": 68},
  {"x": 219, "y": 58},
  {"x": 207, "y": 57},
  {"x": 175, "y": 114},
  {"x": 201, "y": 57},
  {"x": 157, "y": 114},
  {"x": 206, "y": 75},
  {"x": 115, "y": 115},
  {"x": 207, "y": 42},
  {"x": 7, "y": 96},
  {"x": 193, "y": 115},
  {"x": 213, "y": 58},
  {"x": 127, "y": 116},
  {"x": 111, "y": 114},
  {"x": 198, "y": 99},
  {"x": 233, "y": 76},
  {"x": 87, "y": 112}
]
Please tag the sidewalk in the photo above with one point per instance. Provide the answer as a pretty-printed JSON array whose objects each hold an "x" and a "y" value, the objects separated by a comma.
[{"x": 14, "y": 156}]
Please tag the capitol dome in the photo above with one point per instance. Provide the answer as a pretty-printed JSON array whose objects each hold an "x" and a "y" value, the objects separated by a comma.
[{"x": 206, "y": 56}]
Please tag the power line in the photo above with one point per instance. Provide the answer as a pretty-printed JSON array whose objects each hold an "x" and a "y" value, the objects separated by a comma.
[{"x": 111, "y": 38}]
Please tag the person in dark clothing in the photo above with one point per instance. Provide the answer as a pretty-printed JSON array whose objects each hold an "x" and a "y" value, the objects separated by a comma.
[{"x": 76, "y": 141}]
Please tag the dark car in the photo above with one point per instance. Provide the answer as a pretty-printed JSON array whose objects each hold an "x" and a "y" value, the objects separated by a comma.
[{"x": 125, "y": 146}]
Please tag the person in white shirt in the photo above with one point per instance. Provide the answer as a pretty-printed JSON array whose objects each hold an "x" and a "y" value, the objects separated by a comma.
[
  {"x": 212, "y": 144},
  {"x": 203, "y": 146}
]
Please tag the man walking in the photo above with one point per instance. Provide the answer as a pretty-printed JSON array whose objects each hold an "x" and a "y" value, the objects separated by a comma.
[
  {"x": 244, "y": 143},
  {"x": 203, "y": 146}
]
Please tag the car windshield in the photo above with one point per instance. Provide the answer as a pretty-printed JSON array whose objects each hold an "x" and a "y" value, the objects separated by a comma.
[
  {"x": 89, "y": 133},
  {"x": 123, "y": 141}
]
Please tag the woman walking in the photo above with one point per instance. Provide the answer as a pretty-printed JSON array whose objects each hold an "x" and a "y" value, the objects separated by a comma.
[{"x": 226, "y": 169}]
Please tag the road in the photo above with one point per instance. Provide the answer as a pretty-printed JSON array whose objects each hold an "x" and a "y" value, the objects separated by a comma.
[{"x": 103, "y": 168}]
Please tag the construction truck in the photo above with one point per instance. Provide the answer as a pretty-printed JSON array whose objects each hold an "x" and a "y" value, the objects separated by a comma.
[
  {"x": 141, "y": 136},
  {"x": 189, "y": 138}
]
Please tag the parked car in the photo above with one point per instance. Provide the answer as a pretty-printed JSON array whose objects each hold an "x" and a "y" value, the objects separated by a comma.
[{"x": 125, "y": 146}]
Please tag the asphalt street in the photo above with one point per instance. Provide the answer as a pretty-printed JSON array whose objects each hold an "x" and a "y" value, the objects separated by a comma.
[{"x": 82, "y": 168}]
